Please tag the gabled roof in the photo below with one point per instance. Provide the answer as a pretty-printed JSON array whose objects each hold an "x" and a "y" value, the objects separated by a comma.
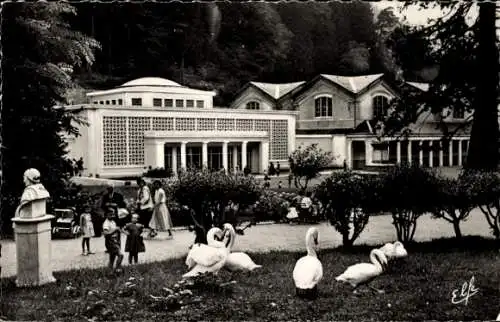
[
  {"x": 276, "y": 91},
  {"x": 421, "y": 86},
  {"x": 353, "y": 84}
]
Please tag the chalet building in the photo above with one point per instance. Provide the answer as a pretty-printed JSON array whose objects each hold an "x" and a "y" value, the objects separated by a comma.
[{"x": 338, "y": 113}]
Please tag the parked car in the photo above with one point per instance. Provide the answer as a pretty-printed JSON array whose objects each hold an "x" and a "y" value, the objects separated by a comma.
[{"x": 66, "y": 223}]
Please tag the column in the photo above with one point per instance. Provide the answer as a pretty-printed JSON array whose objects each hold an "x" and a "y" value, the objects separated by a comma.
[
  {"x": 264, "y": 156},
  {"x": 409, "y": 153},
  {"x": 235, "y": 157},
  {"x": 224, "y": 155},
  {"x": 348, "y": 154},
  {"x": 174, "y": 159},
  {"x": 431, "y": 155},
  {"x": 420, "y": 153},
  {"x": 244, "y": 155},
  {"x": 183, "y": 155},
  {"x": 441, "y": 153},
  {"x": 368, "y": 152},
  {"x": 450, "y": 156},
  {"x": 204, "y": 154},
  {"x": 398, "y": 152},
  {"x": 459, "y": 153}
]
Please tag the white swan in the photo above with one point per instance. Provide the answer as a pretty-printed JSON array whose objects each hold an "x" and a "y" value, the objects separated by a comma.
[
  {"x": 238, "y": 261},
  {"x": 207, "y": 258},
  {"x": 396, "y": 250},
  {"x": 363, "y": 273},
  {"x": 308, "y": 270}
]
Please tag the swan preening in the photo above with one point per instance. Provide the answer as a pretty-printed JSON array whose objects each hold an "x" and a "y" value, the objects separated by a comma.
[
  {"x": 364, "y": 273},
  {"x": 308, "y": 270},
  {"x": 395, "y": 250},
  {"x": 207, "y": 258},
  {"x": 237, "y": 261}
]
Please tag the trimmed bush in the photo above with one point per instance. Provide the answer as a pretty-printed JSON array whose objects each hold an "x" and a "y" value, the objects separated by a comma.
[
  {"x": 273, "y": 205},
  {"x": 306, "y": 164},
  {"x": 455, "y": 200},
  {"x": 207, "y": 195},
  {"x": 347, "y": 201},
  {"x": 408, "y": 192},
  {"x": 158, "y": 173},
  {"x": 485, "y": 194}
]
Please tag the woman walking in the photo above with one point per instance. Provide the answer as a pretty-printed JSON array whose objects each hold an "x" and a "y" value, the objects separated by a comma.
[{"x": 161, "y": 217}]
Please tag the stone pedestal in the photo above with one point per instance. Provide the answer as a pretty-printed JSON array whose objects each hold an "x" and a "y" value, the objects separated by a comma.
[{"x": 33, "y": 250}]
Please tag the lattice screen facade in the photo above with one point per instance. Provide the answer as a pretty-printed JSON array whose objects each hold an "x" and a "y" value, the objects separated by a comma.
[
  {"x": 115, "y": 141},
  {"x": 115, "y": 134}
]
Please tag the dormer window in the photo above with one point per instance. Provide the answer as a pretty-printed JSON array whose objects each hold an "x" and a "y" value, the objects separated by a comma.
[
  {"x": 137, "y": 102},
  {"x": 380, "y": 107},
  {"x": 323, "y": 107},
  {"x": 458, "y": 112},
  {"x": 253, "y": 105}
]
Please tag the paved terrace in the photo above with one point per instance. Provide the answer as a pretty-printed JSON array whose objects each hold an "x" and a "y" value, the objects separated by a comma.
[{"x": 66, "y": 253}]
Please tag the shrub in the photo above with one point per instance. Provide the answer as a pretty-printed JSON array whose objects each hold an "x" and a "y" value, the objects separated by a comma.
[
  {"x": 158, "y": 173},
  {"x": 455, "y": 200},
  {"x": 273, "y": 205},
  {"x": 305, "y": 164},
  {"x": 347, "y": 201},
  {"x": 207, "y": 194},
  {"x": 485, "y": 194},
  {"x": 408, "y": 192}
]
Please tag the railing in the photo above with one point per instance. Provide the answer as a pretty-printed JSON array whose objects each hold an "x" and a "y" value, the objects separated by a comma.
[{"x": 325, "y": 124}]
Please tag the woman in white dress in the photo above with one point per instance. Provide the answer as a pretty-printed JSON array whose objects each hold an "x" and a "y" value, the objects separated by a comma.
[{"x": 161, "y": 217}]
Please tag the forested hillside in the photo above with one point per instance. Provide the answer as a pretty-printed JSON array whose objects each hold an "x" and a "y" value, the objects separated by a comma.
[{"x": 226, "y": 45}]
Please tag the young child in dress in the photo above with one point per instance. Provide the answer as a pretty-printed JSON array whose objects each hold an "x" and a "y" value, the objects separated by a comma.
[
  {"x": 87, "y": 229},
  {"x": 112, "y": 237},
  {"x": 134, "y": 243}
]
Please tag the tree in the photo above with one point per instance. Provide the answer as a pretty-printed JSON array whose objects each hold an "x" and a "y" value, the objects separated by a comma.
[
  {"x": 347, "y": 201},
  {"x": 455, "y": 201},
  {"x": 449, "y": 42},
  {"x": 39, "y": 53},
  {"x": 307, "y": 163},
  {"x": 207, "y": 194}
]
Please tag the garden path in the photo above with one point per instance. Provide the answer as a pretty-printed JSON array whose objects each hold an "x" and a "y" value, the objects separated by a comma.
[{"x": 261, "y": 238}]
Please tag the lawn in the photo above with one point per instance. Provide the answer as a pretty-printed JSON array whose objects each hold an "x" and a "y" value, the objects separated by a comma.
[{"x": 418, "y": 288}]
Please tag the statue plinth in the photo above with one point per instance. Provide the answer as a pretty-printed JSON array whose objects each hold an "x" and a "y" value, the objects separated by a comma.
[
  {"x": 33, "y": 250},
  {"x": 32, "y": 229}
]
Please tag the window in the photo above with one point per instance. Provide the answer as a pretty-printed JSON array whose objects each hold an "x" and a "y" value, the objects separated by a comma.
[
  {"x": 168, "y": 102},
  {"x": 113, "y": 102},
  {"x": 253, "y": 105},
  {"x": 120, "y": 101},
  {"x": 323, "y": 107},
  {"x": 157, "y": 102},
  {"x": 179, "y": 103},
  {"x": 458, "y": 112},
  {"x": 189, "y": 103},
  {"x": 107, "y": 102},
  {"x": 200, "y": 104},
  {"x": 380, "y": 152},
  {"x": 137, "y": 102},
  {"x": 101, "y": 102},
  {"x": 380, "y": 107},
  {"x": 95, "y": 102}
]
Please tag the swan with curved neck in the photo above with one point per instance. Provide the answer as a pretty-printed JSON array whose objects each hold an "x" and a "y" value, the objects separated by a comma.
[
  {"x": 364, "y": 273},
  {"x": 308, "y": 270},
  {"x": 207, "y": 258},
  {"x": 237, "y": 261},
  {"x": 393, "y": 251}
]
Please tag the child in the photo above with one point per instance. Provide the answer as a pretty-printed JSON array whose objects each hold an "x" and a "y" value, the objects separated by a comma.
[
  {"x": 113, "y": 240},
  {"x": 134, "y": 243},
  {"x": 87, "y": 229}
]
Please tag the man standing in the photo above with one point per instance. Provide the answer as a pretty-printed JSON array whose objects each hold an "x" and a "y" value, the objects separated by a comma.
[
  {"x": 112, "y": 199},
  {"x": 144, "y": 203}
]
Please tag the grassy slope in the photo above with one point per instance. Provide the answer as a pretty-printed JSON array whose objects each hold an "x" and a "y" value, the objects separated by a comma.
[{"x": 419, "y": 288}]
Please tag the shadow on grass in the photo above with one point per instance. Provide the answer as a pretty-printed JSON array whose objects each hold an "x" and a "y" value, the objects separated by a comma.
[{"x": 417, "y": 288}]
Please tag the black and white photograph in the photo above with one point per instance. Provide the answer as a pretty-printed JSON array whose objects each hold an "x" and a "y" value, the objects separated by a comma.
[{"x": 250, "y": 161}]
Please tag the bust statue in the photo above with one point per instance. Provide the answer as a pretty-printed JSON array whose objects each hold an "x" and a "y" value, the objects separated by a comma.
[{"x": 34, "y": 197}]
